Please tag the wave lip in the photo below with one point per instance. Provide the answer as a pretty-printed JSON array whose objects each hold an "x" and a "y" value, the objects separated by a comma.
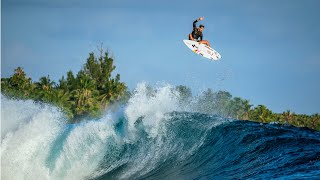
[
  {"x": 38, "y": 144},
  {"x": 152, "y": 137},
  {"x": 200, "y": 146}
]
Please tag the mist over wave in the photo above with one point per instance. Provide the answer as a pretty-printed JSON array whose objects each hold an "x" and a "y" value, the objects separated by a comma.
[{"x": 154, "y": 136}]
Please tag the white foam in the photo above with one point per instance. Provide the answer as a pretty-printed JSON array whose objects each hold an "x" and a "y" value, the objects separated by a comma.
[
  {"x": 12, "y": 116},
  {"x": 83, "y": 150},
  {"x": 30, "y": 140},
  {"x": 152, "y": 105},
  {"x": 37, "y": 143}
]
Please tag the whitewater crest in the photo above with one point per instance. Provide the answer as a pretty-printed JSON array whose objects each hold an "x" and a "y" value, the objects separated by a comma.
[
  {"x": 152, "y": 105},
  {"x": 37, "y": 143},
  {"x": 153, "y": 136}
]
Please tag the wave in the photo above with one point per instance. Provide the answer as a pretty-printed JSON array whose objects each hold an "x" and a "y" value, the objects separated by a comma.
[{"x": 152, "y": 137}]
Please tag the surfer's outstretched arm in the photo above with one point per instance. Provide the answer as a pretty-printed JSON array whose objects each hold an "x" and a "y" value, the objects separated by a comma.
[{"x": 195, "y": 22}]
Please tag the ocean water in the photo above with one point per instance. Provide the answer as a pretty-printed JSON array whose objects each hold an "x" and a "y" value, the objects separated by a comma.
[{"x": 151, "y": 137}]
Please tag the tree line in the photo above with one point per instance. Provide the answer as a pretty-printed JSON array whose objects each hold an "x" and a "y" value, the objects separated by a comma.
[
  {"x": 93, "y": 89},
  {"x": 222, "y": 103},
  {"x": 88, "y": 93}
]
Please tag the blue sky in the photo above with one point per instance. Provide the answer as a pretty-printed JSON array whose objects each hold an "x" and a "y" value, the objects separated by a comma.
[{"x": 270, "y": 49}]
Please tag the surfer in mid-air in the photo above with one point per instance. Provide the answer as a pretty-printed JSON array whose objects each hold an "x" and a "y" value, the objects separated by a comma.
[{"x": 197, "y": 33}]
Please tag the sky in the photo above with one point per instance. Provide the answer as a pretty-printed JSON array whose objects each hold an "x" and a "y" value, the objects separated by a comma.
[{"x": 270, "y": 49}]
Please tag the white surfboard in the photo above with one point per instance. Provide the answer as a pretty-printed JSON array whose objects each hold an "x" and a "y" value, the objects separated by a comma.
[{"x": 203, "y": 50}]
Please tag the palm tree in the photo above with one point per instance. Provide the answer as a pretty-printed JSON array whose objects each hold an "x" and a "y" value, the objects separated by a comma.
[
  {"x": 315, "y": 121},
  {"x": 19, "y": 78},
  {"x": 20, "y": 84},
  {"x": 63, "y": 84},
  {"x": 288, "y": 116},
  {"x": 71, "y": 81},
  {"x": 61, "y": 98},
  {"x": 246, "y": 110},
  {"x": 262, "y": 114},
  {"x": 84, "y": 94},
  {"x": 112, "y": 92},
  {"x": 45, "y": 89}
]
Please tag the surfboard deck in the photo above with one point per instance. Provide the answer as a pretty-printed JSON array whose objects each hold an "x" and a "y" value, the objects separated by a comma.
[{"x": 203, "y": 50}]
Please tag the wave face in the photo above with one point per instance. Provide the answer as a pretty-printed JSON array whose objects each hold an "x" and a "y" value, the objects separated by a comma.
[{"x": 152, "y": 137}]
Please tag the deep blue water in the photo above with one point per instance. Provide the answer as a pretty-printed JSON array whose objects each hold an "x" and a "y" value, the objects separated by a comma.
[
  {"x": 199, "y": 146},
  {"x": 151, "y": 137}
]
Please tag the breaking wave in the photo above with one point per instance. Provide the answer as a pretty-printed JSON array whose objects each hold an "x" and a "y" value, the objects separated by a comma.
[{"x": 151, "y": 137}]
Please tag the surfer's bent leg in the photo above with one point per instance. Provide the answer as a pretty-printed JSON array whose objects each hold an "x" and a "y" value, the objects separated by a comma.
[
  {"x": 190, "y": 37},
  {"x": 205, "y": 42}
]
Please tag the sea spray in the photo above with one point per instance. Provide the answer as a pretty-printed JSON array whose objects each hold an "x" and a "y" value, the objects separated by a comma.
[
  {"x": 152, "y": 137},
  {"x": 151, "y": 105},
  {"x": 29, "y": 131},
  {"x": 40, "y": 145}
]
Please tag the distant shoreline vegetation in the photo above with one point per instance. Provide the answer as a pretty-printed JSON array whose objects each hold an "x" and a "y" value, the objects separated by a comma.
[
  {"x": 92, "y": 90},
  {"x": 86, "y": 94},
  {"x": 223, "y": 104}
]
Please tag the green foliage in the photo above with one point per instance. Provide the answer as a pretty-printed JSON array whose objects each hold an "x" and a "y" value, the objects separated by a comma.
[
  {"x": 93, "y": 89},
  {"x": 222, "y": 103},
  {"x": 17, "y": 86},
  {"x": 262, "y": 114},
  {"x": 88, "y": 93}
]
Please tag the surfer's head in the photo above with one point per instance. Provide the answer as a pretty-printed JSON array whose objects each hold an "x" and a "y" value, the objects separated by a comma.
[{"x": 201, "y": 27}]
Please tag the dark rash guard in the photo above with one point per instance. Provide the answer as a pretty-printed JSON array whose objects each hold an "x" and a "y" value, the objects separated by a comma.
[{"x": 196, "y": 34}]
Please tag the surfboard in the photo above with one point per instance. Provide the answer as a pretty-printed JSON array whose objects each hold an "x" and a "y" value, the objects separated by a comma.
[{"x": 203, "y": 50}]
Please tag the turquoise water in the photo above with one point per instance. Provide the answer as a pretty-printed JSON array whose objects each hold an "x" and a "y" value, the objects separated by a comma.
[{"x": 152, "y": 137}]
